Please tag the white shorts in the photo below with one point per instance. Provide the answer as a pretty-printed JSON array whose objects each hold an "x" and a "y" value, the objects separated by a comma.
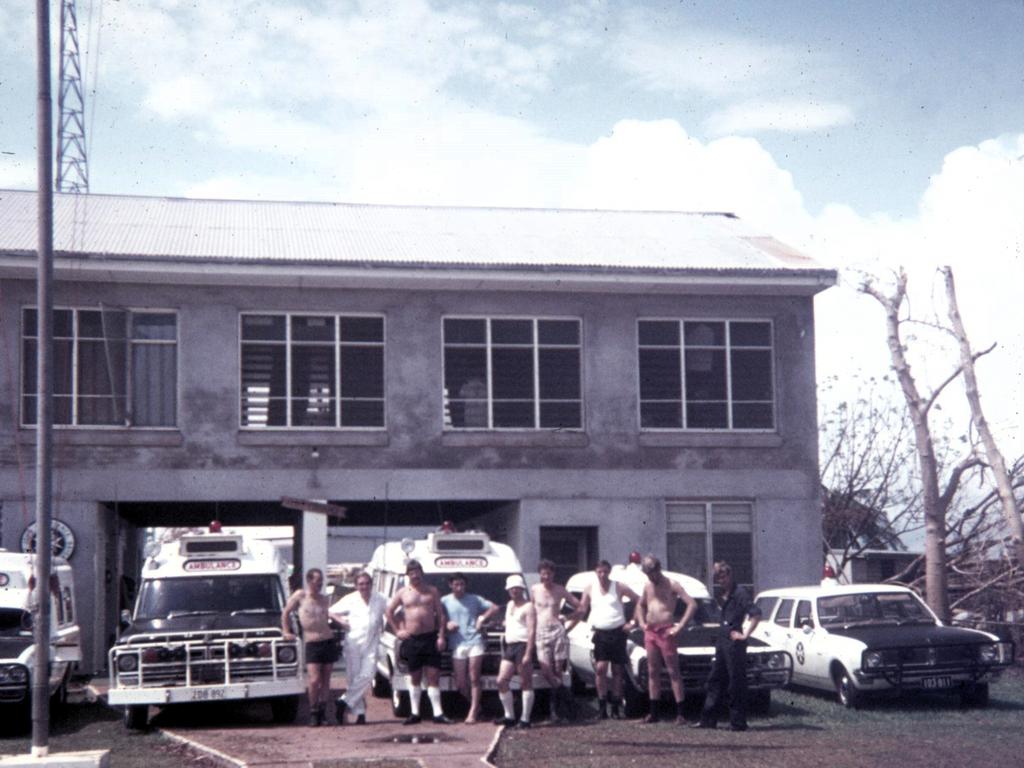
[{"x": 468, "y": 650}]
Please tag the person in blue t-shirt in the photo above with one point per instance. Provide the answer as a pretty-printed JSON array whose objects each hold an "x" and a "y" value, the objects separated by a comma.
[{"x": 467, "y": 613}]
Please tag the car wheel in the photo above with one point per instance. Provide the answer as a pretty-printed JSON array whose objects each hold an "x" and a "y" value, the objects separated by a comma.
[
  {"x": 381, "y": 686},
  {"x": 576, "y": 683},
  {"x": 974, "y": 695},
  {"x": 400, "y": 703},
  {"x": 136, "y": 717},
  {"x": 761, "y": 701},
  {"x": 846, "y": 693},
  {"x": 59, "y": 699},
  {"x": 284, "y": 709}
]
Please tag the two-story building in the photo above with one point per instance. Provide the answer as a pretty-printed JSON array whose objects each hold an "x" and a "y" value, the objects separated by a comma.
[{"x": 578, "y": 383}]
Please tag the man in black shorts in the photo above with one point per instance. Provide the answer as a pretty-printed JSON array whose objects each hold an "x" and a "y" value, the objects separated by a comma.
[
  {"x": 603, "y": 598},
  {"x": 421, "y": 629}
]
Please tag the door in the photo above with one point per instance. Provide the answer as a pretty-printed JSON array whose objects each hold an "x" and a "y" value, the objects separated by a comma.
[{"x": 571, "y": 549}]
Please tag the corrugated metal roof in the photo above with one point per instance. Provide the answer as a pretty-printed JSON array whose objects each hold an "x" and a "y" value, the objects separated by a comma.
[{"x": 322, "y": 233}]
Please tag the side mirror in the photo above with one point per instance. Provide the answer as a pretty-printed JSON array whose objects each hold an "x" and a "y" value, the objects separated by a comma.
[{"x": 126, "y": 618}]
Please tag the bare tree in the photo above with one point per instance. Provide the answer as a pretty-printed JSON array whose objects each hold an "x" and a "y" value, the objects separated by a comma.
[
  {"x": 871, "y": 498},
  {"x": 996, "y": 462},
  {"x": 936, "y": 496}
]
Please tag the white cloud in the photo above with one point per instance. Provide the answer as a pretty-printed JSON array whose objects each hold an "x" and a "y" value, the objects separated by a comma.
[
  {"x": 17, "y": 172},
  {"x": 787, "y": 115},
  {"x": 180, "y": 97}
]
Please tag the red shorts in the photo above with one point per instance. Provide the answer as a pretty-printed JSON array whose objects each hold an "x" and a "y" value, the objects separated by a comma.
[{"x": 657, "y": 637}]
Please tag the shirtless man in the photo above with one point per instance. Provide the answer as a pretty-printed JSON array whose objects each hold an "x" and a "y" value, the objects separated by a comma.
[
  {"x": 552, "y": 639},
  {"x": 603, "y": 599},
  {"x": 654, "y": 615},
  {"x": 421, "y": 629},
  {"x": 320, "y": 645}
]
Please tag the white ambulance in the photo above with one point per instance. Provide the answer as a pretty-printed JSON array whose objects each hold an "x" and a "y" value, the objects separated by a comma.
[
  {"x": 485, "y": 563},
  {"x": 17, "y": 649},
  {"x": 207, "y": 627}
]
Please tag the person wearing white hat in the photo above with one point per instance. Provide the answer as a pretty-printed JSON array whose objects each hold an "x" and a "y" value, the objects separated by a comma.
[{"x": 517, "y": 652}]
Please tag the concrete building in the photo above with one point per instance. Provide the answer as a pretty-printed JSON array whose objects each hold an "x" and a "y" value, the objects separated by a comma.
[{"x": 578, "y": 383}]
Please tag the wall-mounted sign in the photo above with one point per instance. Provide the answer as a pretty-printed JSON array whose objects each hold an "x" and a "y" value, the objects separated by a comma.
[
  {"x": 460, "y": 562},
  {"x": 213, "y": 565},
  {"x": 62, "y": 539}
]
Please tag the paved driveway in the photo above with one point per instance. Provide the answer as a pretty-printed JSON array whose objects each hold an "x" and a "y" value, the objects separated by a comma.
[{"x": 243, "y": 735}]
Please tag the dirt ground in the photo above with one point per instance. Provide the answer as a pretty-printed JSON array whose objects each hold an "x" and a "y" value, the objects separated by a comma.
[{"x": 803, "y": 730}]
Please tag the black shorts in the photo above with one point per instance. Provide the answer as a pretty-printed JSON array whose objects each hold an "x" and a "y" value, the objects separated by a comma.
[
  {"x": 610, "y": 645},
  {"x": 322, "y": 651},
  {"x": 513, "y": 652},
  {"x": 420, "y": 651}
]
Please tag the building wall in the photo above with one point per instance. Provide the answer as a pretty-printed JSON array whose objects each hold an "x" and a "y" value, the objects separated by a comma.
[{"x": 610, "y": 474}]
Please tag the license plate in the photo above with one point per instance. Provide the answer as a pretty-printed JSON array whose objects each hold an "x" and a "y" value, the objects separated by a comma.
[
  {"x": 937, "y": 682},
  {"x": 208, "y": 694}
]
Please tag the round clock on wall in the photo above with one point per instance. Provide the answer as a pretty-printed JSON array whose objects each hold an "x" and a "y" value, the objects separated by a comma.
[{"x": 62, "y": 539}]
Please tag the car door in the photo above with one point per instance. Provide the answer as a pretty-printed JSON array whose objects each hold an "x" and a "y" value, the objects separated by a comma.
[
  {"x": 778, "y": 630},
  {"x": 806, "y": 648}
]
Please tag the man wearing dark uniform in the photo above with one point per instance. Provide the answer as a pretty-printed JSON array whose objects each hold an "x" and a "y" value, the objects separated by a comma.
[{"x": 728, "y": 677}]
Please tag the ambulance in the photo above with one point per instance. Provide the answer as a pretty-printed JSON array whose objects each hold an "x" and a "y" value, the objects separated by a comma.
[
  {"x": 17, "y": 648},
  {"x": 485, "y": 563},
  {"x": 206, "y": 628}
]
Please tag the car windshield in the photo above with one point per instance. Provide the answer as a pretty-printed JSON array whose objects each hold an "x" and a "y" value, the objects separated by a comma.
[
  {"x": 708, "y": 611},
  {"x": 15, "y": 622},
  {"x": 873, "y": 608},
  {"x": 165, "y": 598},
  {"x": 488, "y": 585}
]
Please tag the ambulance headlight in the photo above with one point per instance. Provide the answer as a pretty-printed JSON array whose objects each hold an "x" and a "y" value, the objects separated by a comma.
[
  {"x": 127, "y": 662},
  {"x": 287, "y": 654}
]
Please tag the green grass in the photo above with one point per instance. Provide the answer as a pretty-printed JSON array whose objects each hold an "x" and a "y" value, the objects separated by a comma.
[{"x": 803, "y": 730}]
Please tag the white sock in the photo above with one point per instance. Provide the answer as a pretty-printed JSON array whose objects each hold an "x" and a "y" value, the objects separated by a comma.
[
  {"x": 414, "y": 698},
  {"x": 434, "y": 694},
  {"x": 527, "y": 705},
  {"x": 507, "y": 705}
]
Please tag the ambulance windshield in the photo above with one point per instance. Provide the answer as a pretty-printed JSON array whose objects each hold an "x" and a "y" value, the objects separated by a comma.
[{"x": 167, "y": 598}]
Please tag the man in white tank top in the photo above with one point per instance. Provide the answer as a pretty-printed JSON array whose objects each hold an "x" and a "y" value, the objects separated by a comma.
[
  {"x": 604, "y": 599},
  {"x": 517, "y": 652}
]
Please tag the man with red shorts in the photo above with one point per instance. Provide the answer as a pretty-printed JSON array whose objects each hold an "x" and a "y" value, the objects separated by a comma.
[{"x": 655, "y": 614}]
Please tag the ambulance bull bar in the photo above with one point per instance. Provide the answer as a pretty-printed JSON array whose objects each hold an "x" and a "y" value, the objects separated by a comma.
[{"x": 228, "y": 660}]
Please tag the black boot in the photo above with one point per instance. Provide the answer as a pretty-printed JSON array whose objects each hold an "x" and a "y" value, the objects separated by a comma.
[
  {"x": 616, "y": 711},
  {"x": 602, "y": 710}
]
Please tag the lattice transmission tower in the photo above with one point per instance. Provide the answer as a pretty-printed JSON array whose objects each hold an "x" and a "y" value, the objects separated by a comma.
[{"x": 72, "y": 164}]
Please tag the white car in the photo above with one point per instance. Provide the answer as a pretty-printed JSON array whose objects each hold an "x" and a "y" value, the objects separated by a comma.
[
  {"x": 767, "y": 667},
  {"x": 864, "y": 638},
  {"x": 17, "y": 649}
]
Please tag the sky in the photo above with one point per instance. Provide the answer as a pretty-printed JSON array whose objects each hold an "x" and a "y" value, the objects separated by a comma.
[{"x": 870, "y": 135}]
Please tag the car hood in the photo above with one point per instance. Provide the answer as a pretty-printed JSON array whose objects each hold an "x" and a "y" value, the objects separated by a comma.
[
  {"x": 697, "y": 636},
  {"x": 891, "y": 636},
  {"x": 201, "y": 623}
]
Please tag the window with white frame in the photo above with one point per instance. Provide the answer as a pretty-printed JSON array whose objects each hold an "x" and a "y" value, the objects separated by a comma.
[
  {"x": 512, "y": 373},
  {"x": 699, "y": 533},
  {"x": 111, "y": 367},
  {"x": 312, "y": 371},
  {"x": 706, "y": 374}
]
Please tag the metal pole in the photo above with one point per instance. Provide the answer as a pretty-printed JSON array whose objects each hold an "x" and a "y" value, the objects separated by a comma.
[{"x": 44, "y": 384}]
